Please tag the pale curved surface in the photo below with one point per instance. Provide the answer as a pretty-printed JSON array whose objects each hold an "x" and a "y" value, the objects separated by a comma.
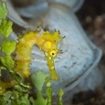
[{"x": 79, "y": 54}]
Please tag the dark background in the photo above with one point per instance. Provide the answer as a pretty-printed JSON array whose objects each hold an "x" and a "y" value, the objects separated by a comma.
[{"x": 92, "y": 17}]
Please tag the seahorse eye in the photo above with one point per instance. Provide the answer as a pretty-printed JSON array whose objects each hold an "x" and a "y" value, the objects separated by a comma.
[{"x": 53, "y": 53}]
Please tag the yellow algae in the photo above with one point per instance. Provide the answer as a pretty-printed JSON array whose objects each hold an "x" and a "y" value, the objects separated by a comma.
[{"x": 5, "y": 85}]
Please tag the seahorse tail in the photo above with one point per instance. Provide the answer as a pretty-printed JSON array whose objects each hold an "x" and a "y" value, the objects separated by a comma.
[
  {"x": 23, "y": 54},
  {"x": 22, "y": 67}
]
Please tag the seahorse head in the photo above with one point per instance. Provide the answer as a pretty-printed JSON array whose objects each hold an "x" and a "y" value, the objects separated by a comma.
[
  {"x": 50, "y": 48},
  {"x": 50, "y": 44}
]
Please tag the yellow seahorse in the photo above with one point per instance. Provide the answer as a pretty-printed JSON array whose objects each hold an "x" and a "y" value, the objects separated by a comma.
[{"x": 46, "y": 41}]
